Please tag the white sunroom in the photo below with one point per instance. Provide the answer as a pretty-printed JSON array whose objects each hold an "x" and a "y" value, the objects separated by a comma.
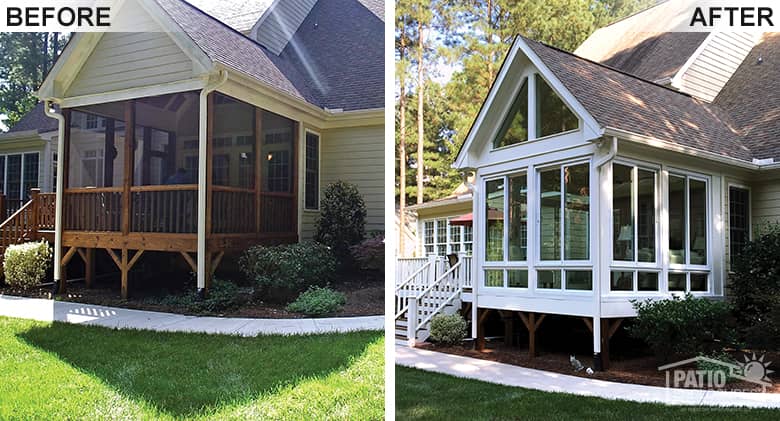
[{"x": 580, "y": 207}]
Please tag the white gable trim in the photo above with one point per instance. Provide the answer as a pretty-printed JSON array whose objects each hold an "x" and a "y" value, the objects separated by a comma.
[
  {"x": 590, "y": 126},
  {"x": 676, "y": 80},
  {"x": 68, "y": 66}
]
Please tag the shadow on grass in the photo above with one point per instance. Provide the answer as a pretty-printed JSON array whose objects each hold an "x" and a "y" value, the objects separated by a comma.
[{"x": 184, "y": 374}]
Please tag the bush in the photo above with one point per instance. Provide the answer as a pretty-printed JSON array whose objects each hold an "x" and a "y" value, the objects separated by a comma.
[
  {"x": 448, "y": 329},
  {"x": 288, "y": 269},
  {"x": 710, "y": 367},
  {"x": 342, "y": 220},
  {"x": 682, "y": 327},
  {"x": 317, "y": 301},
  {"x": 223, "y": 295},
  {"x": 755, "y": 289},
  {"x": 370, "y": 254},
  {"x": 25, "y": 265}
]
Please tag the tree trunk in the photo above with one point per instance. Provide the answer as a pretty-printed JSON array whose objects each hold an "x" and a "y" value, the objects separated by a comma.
[
  {"x": 402, "y": 147},
  {"x": 489, "y": 40},
  {"x": 420, "y": 102}
]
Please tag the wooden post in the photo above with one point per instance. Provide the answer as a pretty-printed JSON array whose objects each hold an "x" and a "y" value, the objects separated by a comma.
[
  {"x": 294, "y": 165},
  {"x": 36, "y": 204},
  {"x": 129, "y": 170},
  {"x": 89, "y": 267},
  {"x": 65, "y": 160},
  {"x": 109, "y": 151},
  {"x": 532, "y": 324},
  {"x": 3, "y": 216},
  {"x": 258, "y": 128},
  {"x": 509, "y": 325},
  {"x": 608, "y": 329},
  {"x": 125, "y": 274},
  {"x": 482, "y": 314},
  {"x": 64, "y": 268}
]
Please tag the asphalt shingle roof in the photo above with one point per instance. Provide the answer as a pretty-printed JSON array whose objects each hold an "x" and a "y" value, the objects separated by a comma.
[
  {"x": 336, "y": 60},
  {"x": 623, "y": 101},
  {"x": 36, "y": 119},
  {"x": 752, "y": 98}
]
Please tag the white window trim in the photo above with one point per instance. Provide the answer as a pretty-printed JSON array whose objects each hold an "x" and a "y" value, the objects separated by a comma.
[{"x": 319, "y": 170}]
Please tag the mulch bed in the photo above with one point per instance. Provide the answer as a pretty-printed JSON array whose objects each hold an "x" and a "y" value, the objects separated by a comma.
[
  {"x": 637, "y": 369},
  {"x": 365, "y": 297}
]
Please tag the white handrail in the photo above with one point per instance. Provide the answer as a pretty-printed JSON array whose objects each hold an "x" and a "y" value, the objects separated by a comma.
[
  {"x": 412, "y": 276},
  {"x": 439, "y": 308}
]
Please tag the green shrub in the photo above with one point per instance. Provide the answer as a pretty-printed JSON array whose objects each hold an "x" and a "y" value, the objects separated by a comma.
[
  {"x": 682, "y": 327},
  {"x": 754, "y": 287},
  {"x": 318, "y": 301},
  {"x": 223, "y": 295},
  {"x": 711, "y": 367},
  {"x": 288, "y": 269},
  {"x": 448, "y": 329},
  {"x": 25, "y": 265},
  {"x": 370, "y": 254},
  {"x": 342, "y": 220}
]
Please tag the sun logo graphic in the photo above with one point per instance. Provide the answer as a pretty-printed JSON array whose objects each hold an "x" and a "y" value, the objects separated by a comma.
[{"x": 755, "y": 369}]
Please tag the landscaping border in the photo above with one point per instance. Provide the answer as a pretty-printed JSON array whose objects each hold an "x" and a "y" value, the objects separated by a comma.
[
  {"x": 510, "y": 375},
  {"x": 121, "y": 318}
]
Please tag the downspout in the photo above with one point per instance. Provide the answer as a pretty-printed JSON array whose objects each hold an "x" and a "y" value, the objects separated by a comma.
[
  {"x": 49, "y": 111},
  {"x": 202, "y": 161},
  {"x": 599, "y": 164}
]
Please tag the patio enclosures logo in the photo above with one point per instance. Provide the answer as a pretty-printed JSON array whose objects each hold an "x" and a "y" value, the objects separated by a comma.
[
  {"x": 711, "y": 373},
  {"x": 73, "y": 16}
]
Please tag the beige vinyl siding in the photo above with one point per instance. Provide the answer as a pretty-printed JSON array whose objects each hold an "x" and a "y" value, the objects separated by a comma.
[
  {"x": 279, "y": 24},
  {"x": 355, "y": 155},
  {"x": 721, "y": 55},
  {"x": 123, "y": 60},
  {"x": 766, "y": 203}
]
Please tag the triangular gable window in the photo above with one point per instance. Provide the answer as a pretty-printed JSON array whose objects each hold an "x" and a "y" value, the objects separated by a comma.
[
  {"x": 552, "y": 115},
  {"x": 515, "y": 126}
]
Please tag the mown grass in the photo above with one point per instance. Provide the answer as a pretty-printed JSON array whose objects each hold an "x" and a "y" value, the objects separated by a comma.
[
  {"x": 62, "y": 371},
  {"x": 432, "y": 396}
]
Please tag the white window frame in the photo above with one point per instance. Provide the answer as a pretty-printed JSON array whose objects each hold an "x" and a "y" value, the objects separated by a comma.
[
  {"x": 686, "y": 267},
  {"x": 564, "y": 265},
  {"x": 436, "y": 222},
  {"x": 319, "y": 170},
  {"x": 635, "y": 266}
]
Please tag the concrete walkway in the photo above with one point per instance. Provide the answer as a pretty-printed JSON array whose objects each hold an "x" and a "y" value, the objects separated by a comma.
[
  {"x": 49, "y": 310},
  {"x": 510, "y": 375}
]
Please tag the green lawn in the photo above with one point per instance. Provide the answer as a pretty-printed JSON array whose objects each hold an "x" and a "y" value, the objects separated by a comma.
[
  {"x": 431, "y": 396},
  {"x": 61, "y": 371}
]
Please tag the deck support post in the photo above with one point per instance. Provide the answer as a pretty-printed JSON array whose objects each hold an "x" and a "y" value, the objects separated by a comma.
[
  {"x": 608, "y": 329},
  {"x": 89, "y": 266},
  {"x": 482, "y": 314},
  {"x": 125, "y": 275},
  {"x": 532, "y": 325},
  {"x": 509, "y": 327}
]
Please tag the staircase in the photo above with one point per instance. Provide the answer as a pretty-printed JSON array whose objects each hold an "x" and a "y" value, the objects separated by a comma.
[
  {"x": 433, "y": 287},
  {"x": 33, "y": 221}
]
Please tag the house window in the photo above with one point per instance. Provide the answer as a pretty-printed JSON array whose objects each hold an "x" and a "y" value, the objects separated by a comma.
[
  {"x": 739, "y": 220},
  {"x": 494, "y": 229},
  {"x": 279, "y": 171},
  {"x": 440, "y": 238},
  {"x": 30, "y": 179},
  {"x": 514, "y": 129},
  {"x": 552, "y": 115},
  {"x": 92, "y": 170},
  {"x": 688, "y": 234},
  {"x": 246, "y": 170},
  {"x": 565, "y": 213},
  {"x": 245, "y": 140},
  {"x": 633, "y": 228},
  {"x": 518, "y": 217},
  {"x": 91, "y": 121},
  {"x": 312, "y": 183}
]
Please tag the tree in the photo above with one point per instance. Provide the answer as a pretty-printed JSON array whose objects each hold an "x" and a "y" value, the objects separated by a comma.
[
  {"x": 402, "y": 64},
  {"x": 27, "y": 58}
]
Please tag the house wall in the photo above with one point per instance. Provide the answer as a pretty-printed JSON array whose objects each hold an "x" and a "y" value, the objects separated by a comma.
[
  {"x": 766, "y": 202},
  {"x": 353, "y": 155},
  {"x": 719, "y": 57},
  {"x": 123, "y": 60}
]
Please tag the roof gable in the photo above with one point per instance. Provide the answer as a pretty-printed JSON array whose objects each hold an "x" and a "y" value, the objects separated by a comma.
[{"x": 503, "y": 93}]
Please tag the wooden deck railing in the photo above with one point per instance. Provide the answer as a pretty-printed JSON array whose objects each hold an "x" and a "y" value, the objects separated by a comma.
[
  {"x": 276, "y": 210},
  {"x": 93, "y": 209},
  {"x": 232, "y": 210},
  {"x": 165, "y": 209}
]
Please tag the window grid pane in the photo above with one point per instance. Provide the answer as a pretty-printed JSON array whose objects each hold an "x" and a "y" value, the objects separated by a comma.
[
  {"x": 577, "y": 212},
  {"x": 494, "y": 209},
  {"x": 518, "y": 218},
  {"x": 550, "y": 214}
]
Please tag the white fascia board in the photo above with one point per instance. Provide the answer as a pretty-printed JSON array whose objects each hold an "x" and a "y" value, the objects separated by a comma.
[
  {"x": 662, "y": 144},
  {"x": 144, "y": 91},
  {"x": 73, "y": 56},
  {"x": 591, "y": 128},
  {"x": 676, "y": 80}
]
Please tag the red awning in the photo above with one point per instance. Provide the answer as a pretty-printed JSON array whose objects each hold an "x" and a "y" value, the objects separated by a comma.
[{"x": 468, "y": 219}]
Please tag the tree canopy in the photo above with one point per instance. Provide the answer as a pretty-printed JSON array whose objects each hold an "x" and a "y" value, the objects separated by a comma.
[{"x": 27, "y": 58}]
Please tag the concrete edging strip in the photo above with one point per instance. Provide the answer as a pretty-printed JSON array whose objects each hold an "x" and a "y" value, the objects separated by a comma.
[
  {"x": 88, "y": 314},
  {"x": 510, "y": 375}
]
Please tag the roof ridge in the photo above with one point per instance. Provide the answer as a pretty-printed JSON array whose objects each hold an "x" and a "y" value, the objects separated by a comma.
[
  {"x": 622, "y": 72},
  {"x": 658, "y": 3}
]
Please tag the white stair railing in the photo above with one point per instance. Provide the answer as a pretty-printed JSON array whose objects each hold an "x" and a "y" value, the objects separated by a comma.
[{"x": 415, "y": 283}]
